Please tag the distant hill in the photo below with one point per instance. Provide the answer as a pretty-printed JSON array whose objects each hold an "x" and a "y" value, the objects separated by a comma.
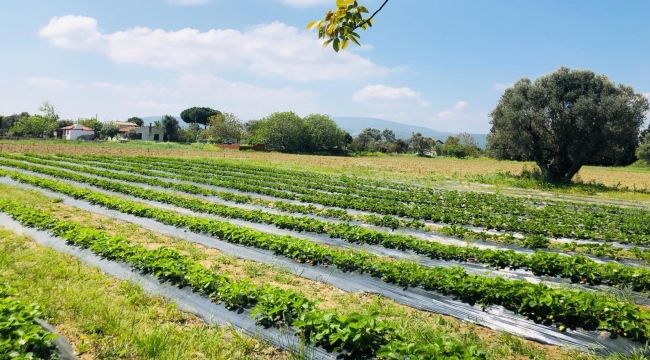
[{"x": 354, "y": 125}]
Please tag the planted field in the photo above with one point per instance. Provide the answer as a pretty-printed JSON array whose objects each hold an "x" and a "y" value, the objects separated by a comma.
[{"x": 560, "y": 273}]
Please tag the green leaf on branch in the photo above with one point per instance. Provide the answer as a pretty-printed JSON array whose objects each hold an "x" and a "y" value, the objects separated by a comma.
[{"x": 339, "y": 25}]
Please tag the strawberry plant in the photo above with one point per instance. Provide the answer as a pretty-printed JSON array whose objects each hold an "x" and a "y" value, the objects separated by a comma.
[
  {"x": 539, "y": 302},
  {"x": 21, "y": 337},
  {"x": 491, "y": 211}
]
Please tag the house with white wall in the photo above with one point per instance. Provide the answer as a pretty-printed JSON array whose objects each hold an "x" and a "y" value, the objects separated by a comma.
[
  {"x": 75, "y": 131},
  {"x": 147, "y": 133}
]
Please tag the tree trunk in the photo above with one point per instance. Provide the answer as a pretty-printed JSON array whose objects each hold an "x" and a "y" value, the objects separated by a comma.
[{"x": 559, "y": 173}]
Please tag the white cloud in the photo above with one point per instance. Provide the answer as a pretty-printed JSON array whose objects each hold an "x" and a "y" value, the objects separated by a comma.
[
  {"x": 306, "y": 3},
  {"x": 188, "y": 2},
  {"x": 58, "y": 85},
  {"x": 381, "y": 93},
  {"x": 458, "y": 108},
  {"x": 237, "y": 97},
  {"x": 73, "y": 33},
  {"x": 274, "y": 50},
  {"x": 114, "y": 101}
]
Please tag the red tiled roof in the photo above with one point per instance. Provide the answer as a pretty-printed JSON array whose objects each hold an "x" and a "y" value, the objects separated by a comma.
[{"x": 76, "y": 127}]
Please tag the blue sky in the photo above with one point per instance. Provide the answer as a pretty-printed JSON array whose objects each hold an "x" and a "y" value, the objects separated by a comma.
[{"x": 440, "y": 64}]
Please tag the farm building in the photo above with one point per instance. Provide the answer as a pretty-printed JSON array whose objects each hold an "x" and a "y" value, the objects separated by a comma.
[
  {"x": 125, "y": 128},
  {"x": 74, "y": 132},
  {"x": 150, "y": 133}
]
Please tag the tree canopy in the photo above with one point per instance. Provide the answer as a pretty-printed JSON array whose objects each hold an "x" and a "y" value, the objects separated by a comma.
[
  {"x": 461, "y": 146},
  {"x": 283, "y": 131},
  {"x": 286, "y": 131},
  {"x": 643, "y": 151},
  {"x": 8, "y": 121},
  {"x": 367, "y": 140},
  {"x": 136, "y": 120},
  {"x": 198, "y": 115},
  {"x": 94, "y": 124},
  {"x": 324, "y": 134},
  {"x": 34, "y": 126},
  {"x": 170, "y": 124},
  {"x": 49, "y": 111},
  {"x": 225, "y": 128},
  {"x": 63, "y": 123},
  {"x": 108, "y": 130},
  {"x": 565, "y": 120},
  {"x": 422, "y": 145}
]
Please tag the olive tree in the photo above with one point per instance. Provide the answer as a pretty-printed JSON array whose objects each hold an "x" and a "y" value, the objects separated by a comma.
[
  {"x": 225, "y": 127},
  {"x": 565, "y": 120},
  {"x": 324, "y": 134},
  {"x": 282, "y": 131},
  {"x": 108, "y": 130},
  {"x": 368, "y": 140},
  {"x": 422, "y": 145}
]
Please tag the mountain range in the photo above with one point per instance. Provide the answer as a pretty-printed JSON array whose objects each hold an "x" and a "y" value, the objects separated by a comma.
[{"x": 354, "y": 125}]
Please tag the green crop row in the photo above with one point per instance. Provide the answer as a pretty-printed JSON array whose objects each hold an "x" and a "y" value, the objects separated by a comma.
[
  {"x": 359, "y": 187},
  {"x": 152, "y": 178},
  {"x": 528, "y": 241},
  {"x": 541, "y": 242},
  {"x": 490, "y": 211},
  {"x": 322, "y": 181},
  {"x": 353, "y": 334},
  {"x": 539, "y": 302},
  {"x": 21, "y": 337},
  {"x": 577, "y": 268}
]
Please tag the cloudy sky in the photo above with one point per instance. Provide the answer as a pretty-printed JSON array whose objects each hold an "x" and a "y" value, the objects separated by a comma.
[{"x": 439, "y": 64}]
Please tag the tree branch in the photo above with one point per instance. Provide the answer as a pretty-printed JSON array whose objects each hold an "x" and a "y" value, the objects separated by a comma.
[{"x": 371, "y": 16}]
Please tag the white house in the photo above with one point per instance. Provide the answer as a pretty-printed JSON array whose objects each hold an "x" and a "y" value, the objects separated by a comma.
[
  {"x": 148, "y": 133},
  {"x": 73, "y": 132}
]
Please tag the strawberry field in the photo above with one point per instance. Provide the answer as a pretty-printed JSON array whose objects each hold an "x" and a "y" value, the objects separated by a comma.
[{"x": 566, "y": 273}]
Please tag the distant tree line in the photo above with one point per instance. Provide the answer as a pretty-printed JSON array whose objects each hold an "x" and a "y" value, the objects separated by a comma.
[
  {"x": 280, "y": 131},
  {"x": 373, "y": 140},
  {"x": 27, "y": 125},
  {"x": 315, "y": 133}
]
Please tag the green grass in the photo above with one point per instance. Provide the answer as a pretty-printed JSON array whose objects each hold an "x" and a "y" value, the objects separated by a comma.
[
  {"x": 108, "y": 319},
  {"x": 530, "y": 180},
  {"x": 134, "y": 144}
]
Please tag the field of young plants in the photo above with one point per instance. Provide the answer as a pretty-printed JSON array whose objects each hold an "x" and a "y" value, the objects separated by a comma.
[{"x": 343, "y": 266}]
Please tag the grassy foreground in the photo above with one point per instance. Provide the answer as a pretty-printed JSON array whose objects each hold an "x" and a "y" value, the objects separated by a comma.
[{"x": 105, "y": 318}]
